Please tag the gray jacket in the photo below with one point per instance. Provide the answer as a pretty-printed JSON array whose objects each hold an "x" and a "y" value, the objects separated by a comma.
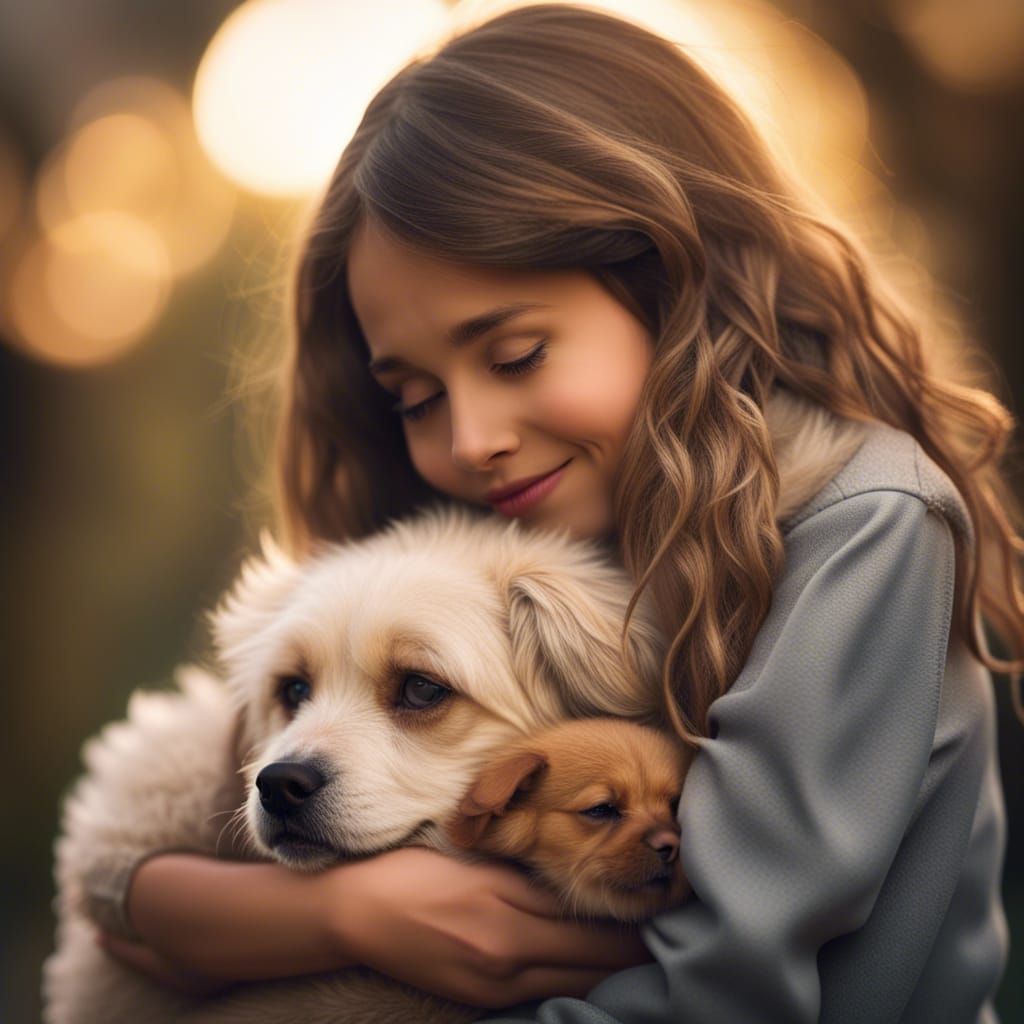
[{"x": 844, "y": 829}]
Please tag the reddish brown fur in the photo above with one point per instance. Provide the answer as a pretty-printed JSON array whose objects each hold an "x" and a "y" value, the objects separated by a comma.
[{"x": 526, "y": 805}]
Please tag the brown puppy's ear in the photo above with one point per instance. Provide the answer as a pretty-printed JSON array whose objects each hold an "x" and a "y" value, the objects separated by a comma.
[{"x": 490, "y": 795}]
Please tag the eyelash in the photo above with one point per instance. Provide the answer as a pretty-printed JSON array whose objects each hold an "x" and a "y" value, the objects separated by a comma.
[{"x": 529, "y": 362}]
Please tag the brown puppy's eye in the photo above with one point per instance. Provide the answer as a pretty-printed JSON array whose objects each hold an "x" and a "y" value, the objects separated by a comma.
[
  {"x": 293, "y": 691},
  {"x": 418, "y": 692},
  {"x": 602, "y": 812}
]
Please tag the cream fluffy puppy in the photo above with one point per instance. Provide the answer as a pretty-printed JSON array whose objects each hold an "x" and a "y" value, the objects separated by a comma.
[{"x": 362, "y": 691}]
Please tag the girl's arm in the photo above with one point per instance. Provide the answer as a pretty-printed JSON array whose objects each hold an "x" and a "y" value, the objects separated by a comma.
[
  {"x": 202, "y": 919},
  {"x": 827, "y": 823},
  {"x": 476, "y": 933},
  {"x": 175, "y": 743}
]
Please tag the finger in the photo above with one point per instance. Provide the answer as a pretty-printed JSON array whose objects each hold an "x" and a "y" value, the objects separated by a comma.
[
  {"x": 574, "y": 944},
  {"x": 140, "y": 957},
  {"x": 527, "y": 896},
  {"x": 137, "y": 956}
]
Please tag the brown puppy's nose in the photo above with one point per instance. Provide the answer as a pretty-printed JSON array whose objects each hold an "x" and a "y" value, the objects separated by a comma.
[
  {"x": 286, "y": 785},
  {"x": 664, "y": 842}
]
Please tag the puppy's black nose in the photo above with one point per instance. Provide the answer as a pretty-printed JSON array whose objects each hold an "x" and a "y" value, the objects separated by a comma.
[{"x": 286, "y": 785}]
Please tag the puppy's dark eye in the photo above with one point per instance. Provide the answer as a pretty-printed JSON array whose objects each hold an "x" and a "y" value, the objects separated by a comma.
[
  {"x": 602, "y": 812},
  {"x": 418, "y": 692},
  {"x": 293, "y": 691}
]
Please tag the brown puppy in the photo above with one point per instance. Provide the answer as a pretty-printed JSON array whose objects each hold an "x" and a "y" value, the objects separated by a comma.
[{"x": 590, "y": 807}]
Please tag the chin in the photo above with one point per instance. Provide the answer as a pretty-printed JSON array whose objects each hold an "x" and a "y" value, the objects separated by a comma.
[
  {"x": 579, "y": 526},
  {"x": 303, "y": 854},
  {"x": 627, "y": 902}
]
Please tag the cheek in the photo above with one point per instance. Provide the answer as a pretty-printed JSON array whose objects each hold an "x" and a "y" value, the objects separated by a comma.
[
  {"x": 595, "y": 404},
  {"x": 430, "y": 455}
]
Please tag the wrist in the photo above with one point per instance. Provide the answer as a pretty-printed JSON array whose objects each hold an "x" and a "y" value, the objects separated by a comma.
[
  {"x": 338, "y": 898},
  {"x": 236, "y": 921}
]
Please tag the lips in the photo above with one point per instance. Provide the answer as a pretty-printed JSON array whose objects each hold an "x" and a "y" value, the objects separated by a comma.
[
  {"x": 517, "y": 497},
  {"x": 501, "y": 493}
]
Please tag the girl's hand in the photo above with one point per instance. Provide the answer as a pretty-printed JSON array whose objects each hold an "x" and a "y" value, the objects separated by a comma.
[
  {"x": 158, "y": 968},
  {"x": 476, "y": 933}
]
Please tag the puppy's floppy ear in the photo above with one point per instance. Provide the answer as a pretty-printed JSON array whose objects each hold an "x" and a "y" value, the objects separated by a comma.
[
  {"x": 490, "y": 795},
  {"x": 565, "y": 622},
  {"x": 239, "y": 624},
  {"x": 260, "y": 592}
]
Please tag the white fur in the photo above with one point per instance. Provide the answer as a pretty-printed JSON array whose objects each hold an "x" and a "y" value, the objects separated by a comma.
[{"x": 524, "y": 628}]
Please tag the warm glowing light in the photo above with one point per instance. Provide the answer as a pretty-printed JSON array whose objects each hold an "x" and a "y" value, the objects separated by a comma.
[
  {"x": 814, "y": 109},
  {"x": 802, "y": 96},
  {"x": 972, "y": 46},
  {"x": 685, "y": 23},
  {"x": 124, "y": 205},
  {"x": 135, "y": 152},
  {"x": 283, "y": 83},
  {"x": 107, "y": 276},
  {"x": 121, "y": 161},
  {"x": 90, "y": 290}
]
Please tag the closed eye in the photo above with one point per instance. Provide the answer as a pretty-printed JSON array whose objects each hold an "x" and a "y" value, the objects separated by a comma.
[
  {"x": 530, "y": 361},
  {"x": 419, "y": 410},
  {"x": 515, "y": 368},
  {"x": 602, "y": 812}
]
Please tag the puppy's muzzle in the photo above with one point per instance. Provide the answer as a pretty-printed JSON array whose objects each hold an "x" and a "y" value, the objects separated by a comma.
[
  {"x": 665, "y": 843},
  {"x": 286, "y": 786}
]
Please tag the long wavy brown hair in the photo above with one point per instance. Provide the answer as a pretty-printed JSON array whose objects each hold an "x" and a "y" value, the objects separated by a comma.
[{"x": 554, "y": 136}]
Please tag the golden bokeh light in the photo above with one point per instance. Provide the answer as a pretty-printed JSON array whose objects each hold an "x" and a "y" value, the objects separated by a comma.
[
  {"x": 124, "y": 205},
  {"x": 266, "y": 95},
  {"x": 107, "y": 275},
  {"x": 90, "y": 290},
  {"x": 283, "y": 83},
  {"x": 135, "y": 151},
  {"x": 124, "y": 162},
  {"x": 975, "y": 47}
]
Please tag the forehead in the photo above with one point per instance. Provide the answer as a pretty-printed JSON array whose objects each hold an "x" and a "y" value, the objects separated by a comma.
[
  {"x": 400, "y": 294},
  {"x": 625, "y": 759},
  {"x": 361, "y": 613}
]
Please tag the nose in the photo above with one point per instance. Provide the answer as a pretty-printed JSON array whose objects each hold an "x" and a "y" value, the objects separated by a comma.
[
  {"x": 480, "y": 430},
  {"x": 286, "y": 785},
  {"x": 664, "y": 842}
]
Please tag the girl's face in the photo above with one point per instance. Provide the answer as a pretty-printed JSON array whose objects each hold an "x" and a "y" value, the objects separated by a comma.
[{"x": 517, "y": 388}]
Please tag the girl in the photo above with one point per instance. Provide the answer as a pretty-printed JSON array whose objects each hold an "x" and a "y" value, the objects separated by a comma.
[{"x": 557, "y": 273}]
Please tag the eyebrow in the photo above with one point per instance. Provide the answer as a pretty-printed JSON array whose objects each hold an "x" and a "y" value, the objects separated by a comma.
[{"x": 467, "y": 331}]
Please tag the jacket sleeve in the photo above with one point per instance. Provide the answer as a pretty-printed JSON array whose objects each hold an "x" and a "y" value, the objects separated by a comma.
[{"x": 793, "y": 812}]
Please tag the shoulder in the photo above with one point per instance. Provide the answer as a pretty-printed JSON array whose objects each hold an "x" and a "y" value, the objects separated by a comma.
[
  {"x": 888, "y": 472},
  {"x": 865, "y": 597},
  {"x": 868, "y": 582}
]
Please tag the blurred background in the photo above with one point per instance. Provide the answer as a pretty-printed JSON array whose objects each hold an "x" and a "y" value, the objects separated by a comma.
[{"x": 156, "y": 163}]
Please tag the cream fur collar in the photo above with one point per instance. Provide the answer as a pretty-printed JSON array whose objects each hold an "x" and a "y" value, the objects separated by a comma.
[{"x": 811, "y": 446}]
